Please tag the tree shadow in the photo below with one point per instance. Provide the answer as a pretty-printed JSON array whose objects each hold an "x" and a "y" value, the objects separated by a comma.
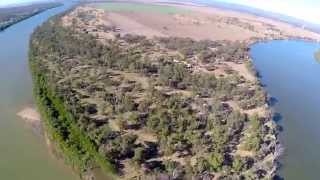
[
  {"x": 272, "y": 101},
  {"x": 277, "y": 118},
  {"x": 278, "y": 177},
  {"x": 258, "y": 74}
]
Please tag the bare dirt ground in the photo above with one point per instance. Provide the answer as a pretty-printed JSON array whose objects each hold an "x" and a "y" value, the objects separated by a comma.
[
  {"x": 242, "y": 70},
  {"x": 129, "y": 25},
  {"x": 199, "y": 23},
  {"x": 195, "y": 26},
  {"x": 264, "y": 27},
  {"x": 203, "y": 23}
]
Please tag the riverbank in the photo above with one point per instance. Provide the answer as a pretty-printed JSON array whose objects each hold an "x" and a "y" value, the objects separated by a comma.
[
  {"x": 23, "y": 154},
  {"x": 71, "y": 142},
  {"x": 294, "y": 101},
  {"x": 281, "y": 168},
  {"x": 8, "y": 16}
]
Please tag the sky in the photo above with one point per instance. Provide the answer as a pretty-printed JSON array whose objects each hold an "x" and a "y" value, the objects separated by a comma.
[
  {"x": 10, "y": 2},
  {"x": 308, "y": 10}
]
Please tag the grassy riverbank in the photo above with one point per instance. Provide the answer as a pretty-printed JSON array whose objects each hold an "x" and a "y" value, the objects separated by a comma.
[{"x": 78, "y": 149}]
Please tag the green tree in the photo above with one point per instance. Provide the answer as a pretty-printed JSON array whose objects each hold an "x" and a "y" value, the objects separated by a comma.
[
  {"x": 139, "y": 155},
  {"x": 237, "y": 164},
  {"x": 216, "y": 161}
]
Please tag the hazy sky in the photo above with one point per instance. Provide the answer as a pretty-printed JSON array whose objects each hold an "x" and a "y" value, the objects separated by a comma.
[
  {"x": 8, "y": 2},
  {"x": 304, "y": 9}
]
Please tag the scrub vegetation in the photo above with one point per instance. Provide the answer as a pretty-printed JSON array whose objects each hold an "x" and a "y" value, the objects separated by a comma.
[{"x": 145, "y": 108}]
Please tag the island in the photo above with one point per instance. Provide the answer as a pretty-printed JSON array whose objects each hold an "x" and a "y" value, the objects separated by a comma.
[
  {"x": 157, "y": 90},
  {"x": 12, "y": 15}
]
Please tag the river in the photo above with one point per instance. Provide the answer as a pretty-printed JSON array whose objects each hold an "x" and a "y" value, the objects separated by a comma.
[
  {"x": 23, "y": 155},
  {"x": 291, "y": 75},
  {"x": 287, "y": 68}
]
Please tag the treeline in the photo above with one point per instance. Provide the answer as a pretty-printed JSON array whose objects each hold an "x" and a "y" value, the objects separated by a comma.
[
  {"x": 78, "y": 149},
  {"x": 12, "y": 15}
]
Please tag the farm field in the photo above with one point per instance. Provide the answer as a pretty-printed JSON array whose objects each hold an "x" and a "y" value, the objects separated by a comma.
[
  {"x": 139, "y": 8},
  {"x": 185, "y": 20}
]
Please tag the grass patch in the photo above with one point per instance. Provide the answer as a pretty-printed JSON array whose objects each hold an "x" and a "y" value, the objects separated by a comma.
[{"x": 140, "y": 7}]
